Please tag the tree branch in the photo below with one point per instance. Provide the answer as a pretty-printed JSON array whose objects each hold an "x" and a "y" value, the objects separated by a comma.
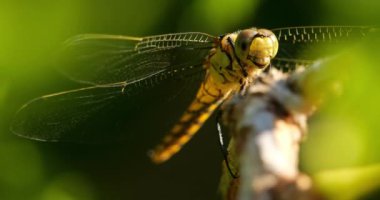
[{"x": 267, "y": 127}]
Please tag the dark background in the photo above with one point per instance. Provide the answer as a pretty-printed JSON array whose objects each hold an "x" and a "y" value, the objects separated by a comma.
[{"x": 341, "y": 152}]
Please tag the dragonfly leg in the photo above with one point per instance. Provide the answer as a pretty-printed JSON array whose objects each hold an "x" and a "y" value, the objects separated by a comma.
[
  {"x": 245, "y": 73},
  {"x": 222, "y": 145},
  {"x": 267, "y": 69}
]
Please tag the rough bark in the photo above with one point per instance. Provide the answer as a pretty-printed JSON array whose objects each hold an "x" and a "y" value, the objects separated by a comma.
[{"x": 267, "y": 126}]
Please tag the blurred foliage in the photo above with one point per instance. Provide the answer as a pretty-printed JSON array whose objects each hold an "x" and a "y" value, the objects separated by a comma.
[
  {"x": 344, "y": 133},
  {"x": 349, "y": 183},
  {"x": 67, "y": 187},
  {"x": 341, "y": 150},
  {"x": 207, "y": 10}
]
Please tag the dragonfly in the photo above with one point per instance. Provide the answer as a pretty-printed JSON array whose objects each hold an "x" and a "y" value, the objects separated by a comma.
[{"x": 116, "y": 66}]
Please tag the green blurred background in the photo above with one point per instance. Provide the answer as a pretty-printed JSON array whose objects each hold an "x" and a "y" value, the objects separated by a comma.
[{"x": 341, "y": 151}]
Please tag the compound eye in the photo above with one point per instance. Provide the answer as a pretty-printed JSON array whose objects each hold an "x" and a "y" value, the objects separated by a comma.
[
  {"x": 244, "y": 39},
  {"x": 244, "y": 44}
]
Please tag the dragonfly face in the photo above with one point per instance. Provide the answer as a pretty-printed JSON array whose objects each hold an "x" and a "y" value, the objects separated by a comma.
[
  {"x": 256, "y": 47},
  {"x": 117, "y": 67}
]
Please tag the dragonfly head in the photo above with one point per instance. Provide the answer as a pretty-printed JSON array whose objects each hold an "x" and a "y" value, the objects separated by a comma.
[{"x": 256, "y": 47}]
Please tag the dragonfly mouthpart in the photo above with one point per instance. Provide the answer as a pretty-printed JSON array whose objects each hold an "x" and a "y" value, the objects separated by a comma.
[{"x": 260, "y": 62}]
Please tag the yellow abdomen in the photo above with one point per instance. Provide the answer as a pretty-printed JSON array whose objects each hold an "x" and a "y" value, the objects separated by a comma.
[{"x": 207, "y": 100}]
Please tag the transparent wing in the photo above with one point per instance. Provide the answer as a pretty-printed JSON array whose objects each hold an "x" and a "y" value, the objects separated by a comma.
[
  {"x": 298, "y": 45},
  {"x": 106, "y": 113},
  {"x": 52, "y": 117},
  {"x": 103, "y": 59},
  {"x": 126, "y": 73}
]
